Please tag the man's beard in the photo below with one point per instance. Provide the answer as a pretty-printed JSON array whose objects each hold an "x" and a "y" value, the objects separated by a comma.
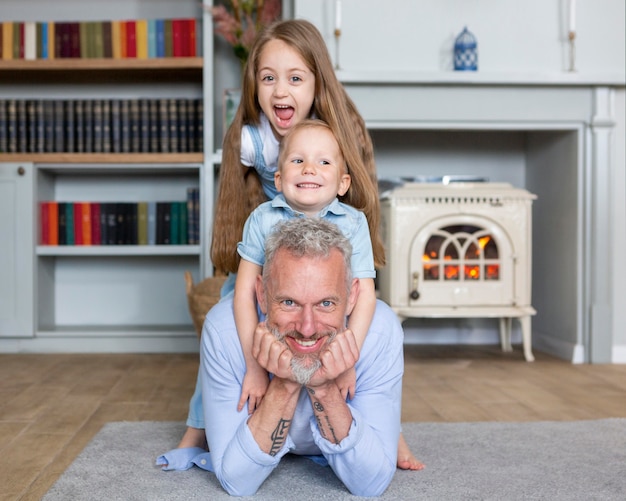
[{"x": 303, "y": 367}]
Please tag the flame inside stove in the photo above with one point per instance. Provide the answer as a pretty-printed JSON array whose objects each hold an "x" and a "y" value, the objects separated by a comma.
[{"x": 461, "y": 253}]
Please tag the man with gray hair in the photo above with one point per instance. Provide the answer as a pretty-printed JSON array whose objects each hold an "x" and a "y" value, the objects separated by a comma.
[{"x": 305, "y": 295}]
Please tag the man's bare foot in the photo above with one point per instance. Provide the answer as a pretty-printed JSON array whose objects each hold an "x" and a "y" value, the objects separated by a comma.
[
  {"x": 406, "y": 459},
  {"x": 195, "y": 437}
]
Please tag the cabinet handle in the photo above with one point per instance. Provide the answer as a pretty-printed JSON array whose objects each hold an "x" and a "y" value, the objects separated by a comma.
[{"x": 21, "y": 171}]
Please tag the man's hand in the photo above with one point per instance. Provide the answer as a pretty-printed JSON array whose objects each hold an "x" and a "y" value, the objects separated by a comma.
[
  {"x": 341, "y": 354},
  {"x": 273, "y": 355}
]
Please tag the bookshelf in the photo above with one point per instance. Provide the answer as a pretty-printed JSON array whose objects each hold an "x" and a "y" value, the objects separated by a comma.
[{"x": 114, "y": 298}]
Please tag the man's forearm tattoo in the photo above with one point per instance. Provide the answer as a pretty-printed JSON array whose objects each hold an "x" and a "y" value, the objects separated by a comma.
[
  {"x": 323, "y": 422},
  {"x": 279, "y": 435}
]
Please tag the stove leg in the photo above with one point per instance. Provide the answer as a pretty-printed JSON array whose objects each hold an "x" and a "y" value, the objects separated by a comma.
[
  {"x": 527, "y": 338},
  {"x": 505, "y": 333}
]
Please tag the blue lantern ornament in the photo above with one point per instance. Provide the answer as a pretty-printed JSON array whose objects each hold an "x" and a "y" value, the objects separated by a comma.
[{"x": 465, "y": 52}]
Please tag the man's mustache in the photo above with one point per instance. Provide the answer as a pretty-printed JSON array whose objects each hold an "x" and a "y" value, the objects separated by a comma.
[{"x": 329, "y": 334}]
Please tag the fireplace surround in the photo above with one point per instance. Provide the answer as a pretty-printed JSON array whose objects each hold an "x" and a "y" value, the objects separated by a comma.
[{"x": 562, "y": 127}]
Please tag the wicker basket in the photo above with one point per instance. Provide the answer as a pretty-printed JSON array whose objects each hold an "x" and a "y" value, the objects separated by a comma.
[{"x": 201, "y": 297}]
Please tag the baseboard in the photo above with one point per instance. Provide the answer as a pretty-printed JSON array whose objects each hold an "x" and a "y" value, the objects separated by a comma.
[
  {"x": 128, "y": 344},
  {"x": 574, "y": 352},
  {"x": 619, "y": 354}
]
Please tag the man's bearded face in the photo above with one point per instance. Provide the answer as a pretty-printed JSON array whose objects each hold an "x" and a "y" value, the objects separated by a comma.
[{"x": 304, "y": 366}]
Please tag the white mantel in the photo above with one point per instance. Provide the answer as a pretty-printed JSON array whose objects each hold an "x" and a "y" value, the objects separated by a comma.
[{"x": 537, "y": 78}]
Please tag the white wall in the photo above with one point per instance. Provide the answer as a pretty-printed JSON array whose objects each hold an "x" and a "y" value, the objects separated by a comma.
[
  {"x": 513, "y": 35},
  {"x": 83, "y": 10}
]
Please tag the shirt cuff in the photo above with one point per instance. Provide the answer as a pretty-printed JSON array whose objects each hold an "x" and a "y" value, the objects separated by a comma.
[
  {"x": 250, "y": 447},
  {"x": 349, "y": 442},
  {"x": 184, "y": 458}
]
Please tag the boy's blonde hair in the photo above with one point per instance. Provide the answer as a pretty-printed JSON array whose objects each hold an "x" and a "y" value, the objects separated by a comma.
[
  {"x": 240, "y": 189},
  {"x": 309, "y": 123}
]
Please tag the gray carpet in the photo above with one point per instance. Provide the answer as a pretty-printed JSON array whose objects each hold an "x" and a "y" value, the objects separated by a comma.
[{"x": 580, "y": 460}]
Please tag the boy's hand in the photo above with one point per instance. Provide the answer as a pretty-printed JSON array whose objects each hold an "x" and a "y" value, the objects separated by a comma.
[
  {"x": 254, "y": 386},
  {"x": 347, "y": 383}
]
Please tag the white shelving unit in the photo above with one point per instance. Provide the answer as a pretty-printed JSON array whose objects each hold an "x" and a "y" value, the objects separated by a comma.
[{"x": 116, "y": 298}]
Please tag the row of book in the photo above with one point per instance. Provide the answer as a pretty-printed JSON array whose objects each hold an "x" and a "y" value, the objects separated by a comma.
[
  {"x": 135, "y": 38},
  {"x": 101, "y": 126},
  {"x": 121, "y": 223}
]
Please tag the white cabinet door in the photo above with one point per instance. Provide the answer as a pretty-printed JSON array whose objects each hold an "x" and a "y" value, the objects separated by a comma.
[{"x": 16, "y": 250}]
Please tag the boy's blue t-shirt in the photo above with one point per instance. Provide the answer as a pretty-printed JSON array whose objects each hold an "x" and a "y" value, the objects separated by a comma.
[{"x": 350, "y": 221}]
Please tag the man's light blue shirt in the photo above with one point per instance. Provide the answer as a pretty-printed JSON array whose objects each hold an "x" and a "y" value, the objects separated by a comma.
[{"x": 365, "y": 461}]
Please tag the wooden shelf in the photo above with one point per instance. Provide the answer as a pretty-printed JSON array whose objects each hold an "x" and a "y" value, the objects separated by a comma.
[
  {"x": 104, "y": 158},
  {"x": 99, "y": 71},
  {"x": 78, "y": 64},
  {"x": 118, "y": 250}
]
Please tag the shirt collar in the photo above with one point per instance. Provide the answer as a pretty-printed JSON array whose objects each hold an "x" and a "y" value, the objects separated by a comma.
[{"x": 335, "y": 207}]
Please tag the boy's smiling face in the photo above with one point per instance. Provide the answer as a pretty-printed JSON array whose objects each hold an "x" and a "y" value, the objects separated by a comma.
[{"x": 312, "y": 170}]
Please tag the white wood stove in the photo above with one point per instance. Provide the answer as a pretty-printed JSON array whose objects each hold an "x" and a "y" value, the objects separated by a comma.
[{"x": 459, "y": 250}]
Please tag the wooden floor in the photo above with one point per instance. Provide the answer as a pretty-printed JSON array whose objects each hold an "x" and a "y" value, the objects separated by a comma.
[{"x": 52, "y": 405}]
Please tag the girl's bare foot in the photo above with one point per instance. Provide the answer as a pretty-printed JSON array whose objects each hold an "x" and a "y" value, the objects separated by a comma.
[
  {"x": 195, "y": 437},
  {"x": 406, "y": 459}
]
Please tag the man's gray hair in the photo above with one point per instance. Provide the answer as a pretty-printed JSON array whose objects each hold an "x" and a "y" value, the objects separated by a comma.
[{"x": 307, "y": 237}]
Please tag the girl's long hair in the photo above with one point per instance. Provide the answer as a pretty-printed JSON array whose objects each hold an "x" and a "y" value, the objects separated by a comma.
[{"x": 239, "y": 190}]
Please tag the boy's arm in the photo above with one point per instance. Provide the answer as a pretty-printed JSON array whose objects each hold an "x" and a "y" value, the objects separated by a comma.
[
  {"x": 363, "y": 312},
  {"x": 246, "y": 319},
  {"x": 359, "y": 323}
]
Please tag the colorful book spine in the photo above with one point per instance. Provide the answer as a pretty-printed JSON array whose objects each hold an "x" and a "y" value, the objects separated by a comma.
[
  {"x": 183, "y": 235},
  {"x": 174, "y": 223},
  {"x": 42, "y": 40},
  {"x": 142, "y": 223},
  {"x": 44, "y": 223},
  {"x": 22, "y": 126},
  {"x": 152, "y": 38},
  {"x": 96, "y": 223},
  {"x": 53, "y": 223},
  {"x": 85, "y": 209},
  {"x": 131, "y": 38},
  {"x": 12, "y": 126},
  {"x": 106, "y": 126},
  {"x": 116, "y": 126},
  {"x": 104, "y": 212},
  {"x": 59, "y": 126},
  {"x": 107, "y": 39},
  {"x": 70, "y": 130},
  {"x": 141, "y": 27},
  {"x": 51, "y": 40},
  {"x": 160, "y": 37},
  {"x": 7, "y": 40},
  {"x": 116, "y": 39},
  {"x": 69, "y": 224},
  {"x": 30, "y": 40},
  {"x": 62, "y": 226},
  {"x": 192, "y": 38},
  {"x": 152, "y": 222},
  {"x": 77, "y": 219},
  {"x": 4, "y": 147},
  {"x": 31, "y": 111}
]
